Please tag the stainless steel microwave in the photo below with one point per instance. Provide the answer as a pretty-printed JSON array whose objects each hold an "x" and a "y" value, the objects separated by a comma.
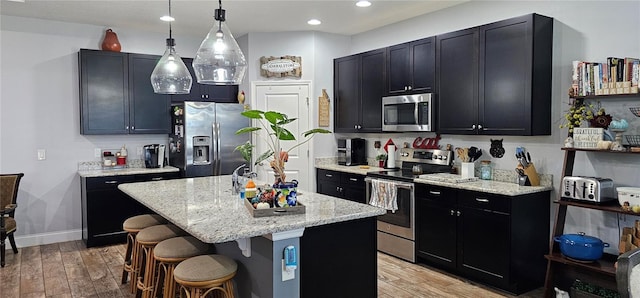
[{"x": 415, "y": 112}]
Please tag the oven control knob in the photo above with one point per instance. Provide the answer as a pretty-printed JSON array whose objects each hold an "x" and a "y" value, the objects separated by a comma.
[{"x": 444, "y": 157}]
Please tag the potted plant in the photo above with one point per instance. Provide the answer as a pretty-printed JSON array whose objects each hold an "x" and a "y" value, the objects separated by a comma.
[
  {"x": 273, "y": 122},
  {"x": 381, "y": 159}
]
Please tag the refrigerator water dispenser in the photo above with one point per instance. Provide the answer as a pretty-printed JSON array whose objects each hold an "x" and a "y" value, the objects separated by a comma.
[{"x": 201, "y": 146}]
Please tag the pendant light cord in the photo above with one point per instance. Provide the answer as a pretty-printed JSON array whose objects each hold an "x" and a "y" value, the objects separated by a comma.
[
  {"x": 221, "y": 19},
  {"x": 170, "y": 37}
]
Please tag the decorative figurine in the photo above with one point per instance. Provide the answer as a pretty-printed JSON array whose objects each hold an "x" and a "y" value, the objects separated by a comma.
[
  {"x": 496, "y": 149},
  {"x": 568, "y": 142}
]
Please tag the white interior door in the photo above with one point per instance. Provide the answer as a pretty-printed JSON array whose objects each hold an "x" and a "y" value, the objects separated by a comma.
[{"x": 292, "y": 99}]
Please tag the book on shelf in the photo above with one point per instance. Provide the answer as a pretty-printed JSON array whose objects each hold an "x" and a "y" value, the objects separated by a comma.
[{"x": 617, "y": 76}]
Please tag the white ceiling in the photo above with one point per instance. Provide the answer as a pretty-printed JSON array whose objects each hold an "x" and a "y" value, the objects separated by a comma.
[{"x": 195, "y": 18}]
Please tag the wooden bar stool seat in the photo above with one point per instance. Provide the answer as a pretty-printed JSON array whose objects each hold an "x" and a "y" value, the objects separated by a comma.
[
  {"x": 201, "y": 275},
  {"x": 132, "y": 226},
  {"x": 169, "y": 253},
  {"x": 148, "y": 238}
]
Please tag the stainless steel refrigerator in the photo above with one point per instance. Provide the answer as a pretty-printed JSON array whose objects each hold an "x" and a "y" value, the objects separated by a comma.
[{"x": 203, "y": 138}]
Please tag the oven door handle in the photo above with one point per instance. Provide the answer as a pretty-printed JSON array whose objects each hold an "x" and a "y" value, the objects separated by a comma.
[{"x": 405, "y": 185}]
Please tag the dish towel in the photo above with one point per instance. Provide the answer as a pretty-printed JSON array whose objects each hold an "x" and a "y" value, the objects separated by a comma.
[{"x": 384, "y": 195}]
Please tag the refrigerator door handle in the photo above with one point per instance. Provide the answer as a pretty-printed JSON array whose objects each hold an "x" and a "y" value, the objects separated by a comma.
[
  {"x": 219, "y": 153},
  {"x": 214, "y": 148}
]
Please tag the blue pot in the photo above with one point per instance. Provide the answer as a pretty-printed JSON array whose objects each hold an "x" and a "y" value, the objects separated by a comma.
[
  {"x": 581, "y": 247},
  {"x": 289, "y": 190}
]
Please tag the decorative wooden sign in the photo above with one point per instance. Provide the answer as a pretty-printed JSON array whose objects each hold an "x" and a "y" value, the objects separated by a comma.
[
  {"x": 587, "y": 137},
  {"x": 323, "y": 109},
  {"x": 280, "y": 67}
]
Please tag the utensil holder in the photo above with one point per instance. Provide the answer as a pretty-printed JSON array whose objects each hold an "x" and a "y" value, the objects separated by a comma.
[{"x": 467, "y": 169}]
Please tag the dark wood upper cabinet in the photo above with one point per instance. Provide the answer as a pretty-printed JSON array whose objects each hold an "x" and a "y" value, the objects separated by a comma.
[
  {"x": 457, "y": 86},
  {"x": 505, "y": 88},
  {"x": 411, "y": 67},
  {"x": 359, "y": 82},
  {"x": 203, "y": 92},
  {"x": 149, "y": 112},
  {"x": 116, "y": 96},
  {"x": 104, "y": 96}
]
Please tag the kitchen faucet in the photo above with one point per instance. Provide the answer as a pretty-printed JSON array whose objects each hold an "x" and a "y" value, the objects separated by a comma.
[{"x": 235, "y": 185}]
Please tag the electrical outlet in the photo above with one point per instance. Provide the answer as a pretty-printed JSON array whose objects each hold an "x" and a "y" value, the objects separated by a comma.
[
  {"x": 287, "y": 274},
  {"x": 97, "y": 152},
  {"x": 42, "y": 154}
]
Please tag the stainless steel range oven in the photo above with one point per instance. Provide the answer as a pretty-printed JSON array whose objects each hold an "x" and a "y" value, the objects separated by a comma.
[{"x": 396, "y": 230}]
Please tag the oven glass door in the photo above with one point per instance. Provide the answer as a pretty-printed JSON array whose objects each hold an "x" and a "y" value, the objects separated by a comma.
[
  {"x": 402, "y": 216},
  {"x": 399, "y": 114}
]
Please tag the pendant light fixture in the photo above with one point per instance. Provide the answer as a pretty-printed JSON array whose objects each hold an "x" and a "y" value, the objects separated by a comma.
[
  {"x": 171, "y": 76},
  {"x": 219, "y": 60}
]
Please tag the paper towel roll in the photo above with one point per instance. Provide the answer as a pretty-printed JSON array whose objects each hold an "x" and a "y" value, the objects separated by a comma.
[{"x": 391, "y": 156}]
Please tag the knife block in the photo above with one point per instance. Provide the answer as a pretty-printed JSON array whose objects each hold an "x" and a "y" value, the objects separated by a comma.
[{"x": 531, "y": 172}]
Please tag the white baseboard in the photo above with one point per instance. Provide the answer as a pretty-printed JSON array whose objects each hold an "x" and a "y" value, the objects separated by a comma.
[{"x": 46, "y": 238}]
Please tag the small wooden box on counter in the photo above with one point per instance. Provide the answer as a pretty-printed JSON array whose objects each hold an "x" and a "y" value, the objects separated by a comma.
[{"x": 298, "y": 209}]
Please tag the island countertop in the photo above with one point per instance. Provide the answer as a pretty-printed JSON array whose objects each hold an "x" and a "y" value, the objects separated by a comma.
[{"x": 206, "y": 208}]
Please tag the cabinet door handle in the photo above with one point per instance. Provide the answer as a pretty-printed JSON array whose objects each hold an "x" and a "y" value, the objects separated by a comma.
[
  {"x": 126, "y": 127},
  {"x": 458, "y": 213},
  {"x": 409, "y": 87},
  {"x": 434, "y": 192},
  {"x": 338, "y": 188},
  {"x": 133, "y": 128},
  {"x": 328, "y": 175},
  {"x": 473, "y": 126},
  {"x": 111, "y": 182},
  {"x": 452, "y": 212},
  {"x": 479, "y": 126},
  {"x": 482, "y": 200},
  {"x": 157, "y": 179},
  {"x": 353, "y": 179}
]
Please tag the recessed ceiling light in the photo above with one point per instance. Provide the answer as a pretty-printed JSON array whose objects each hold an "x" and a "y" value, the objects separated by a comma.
[
  {"x": 314, "y": 22},
  {"x": 363, "y": 3},
  {"x": 167, "y": 18}
]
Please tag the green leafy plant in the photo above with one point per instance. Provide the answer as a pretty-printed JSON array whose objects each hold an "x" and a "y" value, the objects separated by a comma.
[
  {"x": 579, "y": 111},
  {"x": 274, "y": 123},
  {"x": 381, "y": 157}
]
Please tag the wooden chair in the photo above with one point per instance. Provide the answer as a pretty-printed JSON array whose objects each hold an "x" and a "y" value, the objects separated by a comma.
[
  {"x": 628, "y": 274},
  {"x": 8, "y": 195}
]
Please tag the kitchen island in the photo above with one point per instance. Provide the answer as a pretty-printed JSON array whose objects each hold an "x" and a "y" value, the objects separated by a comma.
[{"x": 335, "y": 239}]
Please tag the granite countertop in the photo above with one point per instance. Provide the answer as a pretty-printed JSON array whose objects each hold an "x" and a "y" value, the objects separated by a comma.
[
  {"x": 205, "y": 208},
  {"x": 489, "y": 186},
  {"x": 125, "y": 171},
  {"x": 349, "y": 169}
]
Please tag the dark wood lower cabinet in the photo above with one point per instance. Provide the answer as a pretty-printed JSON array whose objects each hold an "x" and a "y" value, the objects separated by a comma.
[
  {"x": 342, "y": 185},
  {"x": 494, "y": 239},
  {"x": 339, "y": 260},
  {"x": 105, "y": 207}
]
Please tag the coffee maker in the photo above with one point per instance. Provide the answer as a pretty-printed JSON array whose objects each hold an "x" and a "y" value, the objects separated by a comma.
[
  {"x": 153, "y": 155},
  {"x": 352, "y": 152}
]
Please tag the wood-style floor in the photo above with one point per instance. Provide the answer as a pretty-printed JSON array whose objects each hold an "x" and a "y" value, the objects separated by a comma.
[{"x": 69, "y": 269}]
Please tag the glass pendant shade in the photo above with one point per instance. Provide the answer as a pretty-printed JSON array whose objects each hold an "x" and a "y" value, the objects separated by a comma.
[
  {"x": 171, "y": 76},
  {"x": 219, "y": 60}
]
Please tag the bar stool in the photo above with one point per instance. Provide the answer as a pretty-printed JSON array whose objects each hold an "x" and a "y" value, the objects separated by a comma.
[
  {"x": 201, "y": 275},
  {"x": 132, "y": 226},
  {"x": 169, "y": 253},
  {"x": 148, "y": 238}
]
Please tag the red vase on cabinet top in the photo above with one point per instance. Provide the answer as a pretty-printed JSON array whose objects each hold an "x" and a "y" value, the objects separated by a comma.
[{"x": 110, "y": 42}]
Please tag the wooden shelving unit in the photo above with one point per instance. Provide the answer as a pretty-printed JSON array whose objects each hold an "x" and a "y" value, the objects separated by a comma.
[{"x": 560, "y": 270}]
